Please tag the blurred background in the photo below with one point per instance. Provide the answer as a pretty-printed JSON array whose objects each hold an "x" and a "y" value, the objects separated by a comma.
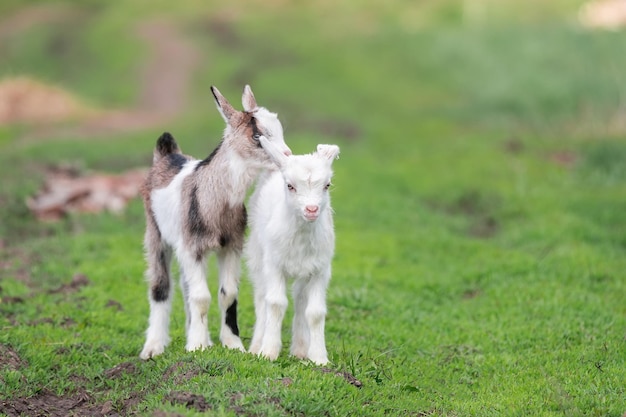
[
  {"x": 389, "y": 79},
  {"x": 480, "y": 197},
  {"x": 435, "y": 103}
]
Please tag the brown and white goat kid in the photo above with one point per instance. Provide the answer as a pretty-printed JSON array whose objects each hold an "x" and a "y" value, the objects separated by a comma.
[
  {"x": 292, "y": 236},
  {"x": 197, "y": 206}
]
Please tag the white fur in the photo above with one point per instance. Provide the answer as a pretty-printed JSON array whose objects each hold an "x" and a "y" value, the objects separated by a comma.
[
  {"x": 166, "y": 206},
  {"x": 292, "y": 236}
]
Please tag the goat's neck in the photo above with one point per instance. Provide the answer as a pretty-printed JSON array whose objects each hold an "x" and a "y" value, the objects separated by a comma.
[{"x": 231, "y": 173}]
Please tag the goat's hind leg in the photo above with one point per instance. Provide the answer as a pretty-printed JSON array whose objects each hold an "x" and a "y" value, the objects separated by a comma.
[
  {"x": 315, "y": 317},
  {"x": 260, "y": 318},
  {"x": 229, "y": 273},
  {"x": 275, "y": 307},
  {"x": 158, "y": 257},
  {"x": 300, "y": 329},
  {"x": 197, "y": 299}
]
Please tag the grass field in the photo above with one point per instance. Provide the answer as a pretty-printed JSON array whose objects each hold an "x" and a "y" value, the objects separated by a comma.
[{"x": 480, "y": 209}]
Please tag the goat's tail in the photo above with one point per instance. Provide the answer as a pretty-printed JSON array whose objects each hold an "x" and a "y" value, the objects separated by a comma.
[{"x": 165, "y": 145}]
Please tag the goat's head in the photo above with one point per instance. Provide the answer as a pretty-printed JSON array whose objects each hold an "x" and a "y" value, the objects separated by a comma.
[
  {"x": 307, "y": 178},
  {"x": 247, "y": 127}
]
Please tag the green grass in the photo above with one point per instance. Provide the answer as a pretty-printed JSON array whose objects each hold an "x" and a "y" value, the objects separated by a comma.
[{"x": 480, "y": 209}]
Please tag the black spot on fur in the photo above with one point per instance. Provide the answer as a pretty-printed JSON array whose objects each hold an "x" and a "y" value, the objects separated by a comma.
[
  {"x": 224, "y": 239},
  {"x": 231, "y": 318},
  {"x": 160, "y": 293},
  {"x": 196, "y": 223},
  {"x": 256, "y": 132},
  {"x": 208, "y": 159},
  {"x": 176, "y": 161},
  {"x": 243, "y": 220},
  {"x": 222, "y": 291},
  {"x": 161, "y": 289},
  {"x": 166, "y": 144}
]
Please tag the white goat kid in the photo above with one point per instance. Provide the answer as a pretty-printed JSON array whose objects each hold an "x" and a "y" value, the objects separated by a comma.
[
  {"x": 292, "y": 236},
  {"x": 196, "y": 206}
]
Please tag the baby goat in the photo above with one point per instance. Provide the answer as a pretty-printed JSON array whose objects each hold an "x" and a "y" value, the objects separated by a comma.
[
  {"x": 196, "y": 206},
  {"x": 292, "y": 236}
]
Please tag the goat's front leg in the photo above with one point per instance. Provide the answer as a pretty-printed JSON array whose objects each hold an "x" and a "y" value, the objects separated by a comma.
[
  {"x": 300, "y": 329},
  {"x": 198, "y": 299},
  {"x": 315, "y": 317},
  {"x": 229, "y": 270},
  {"x": 275, "y": 307},
  {"x": 260, "y": 316}
]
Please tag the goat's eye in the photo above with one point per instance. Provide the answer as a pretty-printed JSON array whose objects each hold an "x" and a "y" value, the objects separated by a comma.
[
  {"x": 256, "y": 136},
  {"x": 291, "y": 187},
  {"x": 327, "y": 186}
]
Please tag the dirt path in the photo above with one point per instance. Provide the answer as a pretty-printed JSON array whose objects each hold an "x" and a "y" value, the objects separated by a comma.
[
  {"x": 163, "y": 78},
  {"x": 164, "y": 81}
]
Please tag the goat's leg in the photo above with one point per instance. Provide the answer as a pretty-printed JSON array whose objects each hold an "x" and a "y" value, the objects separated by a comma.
[
  {"x": 229, "y": 270},
  {"x": 198, "y": 299},
  {"x": 275, "y": 307},
  {"x": 300, "y": 329},
  {"x": 315, "y": 316},
  {"x": 255, "y": 271},
  {"x": 184, "y": 287},
  {"x": 158, "y": 257},
  {"x": 259, "y": 307},
  {"x": 260, "y": 317}
]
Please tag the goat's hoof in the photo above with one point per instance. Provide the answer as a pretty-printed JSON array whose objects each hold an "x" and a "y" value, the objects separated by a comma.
[
  {"x": 299, "y": 353},
  {"x": 235, "y": 346},
  {"x": 320, "y": 358},
  {"x": 233, "y": 342},
  {"x": 150, "y": 350},
  {"x": 191, "y": 347},
  {"x": 319, "y": 361},
  {"x": 270, "y": 354}
]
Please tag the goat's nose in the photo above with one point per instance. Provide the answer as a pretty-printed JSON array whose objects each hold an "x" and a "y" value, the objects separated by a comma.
[{"x": 312, "y": 209}]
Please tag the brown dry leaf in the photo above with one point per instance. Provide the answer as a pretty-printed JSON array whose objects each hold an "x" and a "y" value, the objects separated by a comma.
[{"x": 63, "y": 193}]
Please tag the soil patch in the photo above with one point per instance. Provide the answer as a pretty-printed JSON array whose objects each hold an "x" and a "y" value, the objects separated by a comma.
[
  {"x": 115, "y": 305},
  {"x": 566, "y": 159},
  {"x": 181, "y": 371},
  {"x": 78, "y": 281},
  {"x": 120, "y": 370},
  {"x": 189, "y": 400},
  {"x": 14, "y": 263},
  {"x": 478, "y": 208},
  {"x": 48, "y": 404},
  {"x": 347, "y": 376},
  {"x": 10, "y": 359},
  {"x": 77, "y": 403}
]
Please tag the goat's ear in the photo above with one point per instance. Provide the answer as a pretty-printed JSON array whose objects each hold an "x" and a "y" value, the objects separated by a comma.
[
  {"x": 275, "y": 154},
  {"x": 248, "y": 100},
  {"x": 328, "y": 152},
  {"x": 226, "y": 110}
]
